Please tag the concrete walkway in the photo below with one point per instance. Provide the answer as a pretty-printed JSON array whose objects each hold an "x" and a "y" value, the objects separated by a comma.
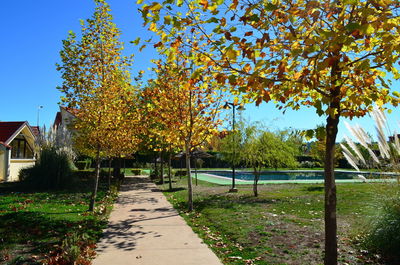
[{"x": 145, "y": 229}]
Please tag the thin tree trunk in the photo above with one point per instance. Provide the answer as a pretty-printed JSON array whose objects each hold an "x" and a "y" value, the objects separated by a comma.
[
  {"x": 96, "y": 181},
  {"x": 169, "y": 170},
  {"x": 255, "y": 183},
  {"x": 195, "y": 169},
  {"x": 162, "y": 167},
  {"x": 123, "y": 174},
  {"x": 109, "y": 173},
  {"x": 117, "y": 168},
  {"x": 330, "y": 193},
  {"x": 155, "y": 166},
  {"x": 190, "y": 188}
]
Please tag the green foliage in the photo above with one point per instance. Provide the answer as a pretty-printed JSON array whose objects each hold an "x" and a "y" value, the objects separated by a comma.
[
  {"x": 52, "y": 170},
  {"x": 83, "y": 165},
  {"x": 70, "y": 247},
  {"x": 136, "y": 171},
  {"x": 232, "y": 143},
  {"x": 385, "y": 235},
  {"x": 180, "y": 173},
  {"x": 266, "y": 149}
]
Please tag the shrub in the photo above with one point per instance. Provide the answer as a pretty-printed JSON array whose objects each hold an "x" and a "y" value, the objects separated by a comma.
[
  {"x": 180, "y": 173},
  {"x": 385, "y": 235},
  {"x": 83, "y": 165},
  {"x": 136, "y": 171},
  {"x": 83, "y": 174},
  {"x": 51, "y": 171}
]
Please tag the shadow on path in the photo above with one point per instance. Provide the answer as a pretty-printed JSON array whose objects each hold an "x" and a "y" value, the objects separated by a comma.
[{"x": 140, "y": 201}]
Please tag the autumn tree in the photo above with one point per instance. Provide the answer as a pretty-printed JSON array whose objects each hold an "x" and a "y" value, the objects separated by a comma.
[
  {"x": 334, "y": 56},
  {"x": 155, "y": 133},
  {"x": 96, "y": 84},
  {"x": 185, "y": 105}
]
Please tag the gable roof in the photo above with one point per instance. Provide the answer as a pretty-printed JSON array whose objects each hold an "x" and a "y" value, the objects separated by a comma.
[
  {"x": 57, "y": 120},
  {"x": 35, "y": 130},
  {"x": 10, "y": 129}
]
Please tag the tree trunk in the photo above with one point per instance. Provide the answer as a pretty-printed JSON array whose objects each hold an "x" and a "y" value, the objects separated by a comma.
[
  {"x": 190, "y": 188},
  {"x": 109, "y": 173},
  {"x": 255, "y": 183},
  {"x": 195, "y": 169},
  {"x": 155, "y": 167},
  {"x": 169, "y": 170},
  {"x": 330, "y": 192},
  {"x": 96, "y": 181},
  {"x": 117, "y": 168},
  {"x": 162, "y": 167},
  {"x": 123, "y": 172}
]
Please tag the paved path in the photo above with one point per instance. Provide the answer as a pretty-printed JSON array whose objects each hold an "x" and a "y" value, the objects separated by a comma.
[{"x": 145, "y": 229}]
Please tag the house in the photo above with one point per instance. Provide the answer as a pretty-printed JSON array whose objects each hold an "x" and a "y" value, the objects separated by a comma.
[
  {"x": 64, "y": 117},
  {"x": 17, "y": 148}
]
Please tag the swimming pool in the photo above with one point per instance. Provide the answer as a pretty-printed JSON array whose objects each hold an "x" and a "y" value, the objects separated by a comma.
[{"x": 296, "y": 175}]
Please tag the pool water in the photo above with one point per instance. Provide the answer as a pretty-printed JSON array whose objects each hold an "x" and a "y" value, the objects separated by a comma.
[{"x": 285, "y": 175}]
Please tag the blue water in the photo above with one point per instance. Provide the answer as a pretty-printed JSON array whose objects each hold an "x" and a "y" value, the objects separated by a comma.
[{"x": 285, "y": 175}]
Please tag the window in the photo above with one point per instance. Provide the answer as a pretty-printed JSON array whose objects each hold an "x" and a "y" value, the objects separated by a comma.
[{"x": 20, "y": 148}]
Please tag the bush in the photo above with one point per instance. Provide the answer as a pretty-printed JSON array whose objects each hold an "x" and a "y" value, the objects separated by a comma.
[
  {"x": 51, "y": 171},
  {"x": 83, "y": 165},
  {"x": 180, "y": 173},
  {"x": 385, "y": 235},
  {"x": 136, "y": 171},
  {"x": 83, "y": 174},
  {"x": 310, "y": 164}
]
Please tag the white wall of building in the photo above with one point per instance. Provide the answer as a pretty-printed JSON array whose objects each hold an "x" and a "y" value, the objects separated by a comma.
[{"x": 16, "y": 165}]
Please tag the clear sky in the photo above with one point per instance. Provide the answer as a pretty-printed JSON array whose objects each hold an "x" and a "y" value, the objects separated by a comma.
[{"x": 32, "y": 32}]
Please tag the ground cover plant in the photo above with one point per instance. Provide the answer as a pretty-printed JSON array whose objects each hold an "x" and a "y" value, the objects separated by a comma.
[
  {"x": 284, "y": 225},
  {"x": 51, "y": 227}
]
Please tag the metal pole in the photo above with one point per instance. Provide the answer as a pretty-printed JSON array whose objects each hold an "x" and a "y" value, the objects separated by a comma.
[
  {"x": 233, "y": 189},
  {"x": 39, "y": 107}
]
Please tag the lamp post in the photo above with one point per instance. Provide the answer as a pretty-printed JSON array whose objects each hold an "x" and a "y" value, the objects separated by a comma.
[
  {"x": 234, "y": 106},
  {"x": 39, "y": 108}
]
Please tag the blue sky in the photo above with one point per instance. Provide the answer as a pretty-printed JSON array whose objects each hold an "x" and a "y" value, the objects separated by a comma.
[{"x": 32, "y": 32}]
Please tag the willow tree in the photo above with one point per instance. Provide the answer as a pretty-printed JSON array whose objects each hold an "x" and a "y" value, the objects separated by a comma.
[
  {"x": 185, "y": 104},
  {"x": 95, "y": 83},
  {"x": 330, "y": 55}
]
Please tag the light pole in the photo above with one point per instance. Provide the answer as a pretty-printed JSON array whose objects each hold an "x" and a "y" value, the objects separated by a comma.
[
  {"x": 234, "y": 106},
  {"x": 39, "y": 108}
]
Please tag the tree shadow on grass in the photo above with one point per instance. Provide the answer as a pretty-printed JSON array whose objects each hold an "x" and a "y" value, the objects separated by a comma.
[
  {"x": 173, "y": 190},
  {"x": 225, "y": 202},
  {"x": 314, "y": 188}
]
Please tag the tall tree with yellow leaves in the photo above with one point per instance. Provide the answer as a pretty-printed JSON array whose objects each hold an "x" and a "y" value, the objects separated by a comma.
[
  {"x": 96, "y": 83},
  {"x": 185, "y": 104}
]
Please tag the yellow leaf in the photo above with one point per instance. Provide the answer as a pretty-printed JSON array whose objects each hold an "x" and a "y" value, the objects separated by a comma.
[
  {"x": 232, "y": 54},
  {"x": 153, "y": 27}
]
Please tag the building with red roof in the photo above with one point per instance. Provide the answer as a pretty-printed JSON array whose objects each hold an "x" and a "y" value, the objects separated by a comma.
[
  {"x": 64, "y": 117},
  {"x": 17, "y": 148}
]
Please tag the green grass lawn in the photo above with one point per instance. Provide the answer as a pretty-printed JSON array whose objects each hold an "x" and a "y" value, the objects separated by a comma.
[
  {"x": 34, "y": 224},
  {"x": 284, "y": 225}
]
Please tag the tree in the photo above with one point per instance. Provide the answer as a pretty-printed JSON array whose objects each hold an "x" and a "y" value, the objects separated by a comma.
[
  {"x": 231, "y": 144},
  {"x": 185, "y": 105},
  {"x": 96, "y": 84},
  {"x": 265, "y": 149},
  {"x": 329, "y": 55}
]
